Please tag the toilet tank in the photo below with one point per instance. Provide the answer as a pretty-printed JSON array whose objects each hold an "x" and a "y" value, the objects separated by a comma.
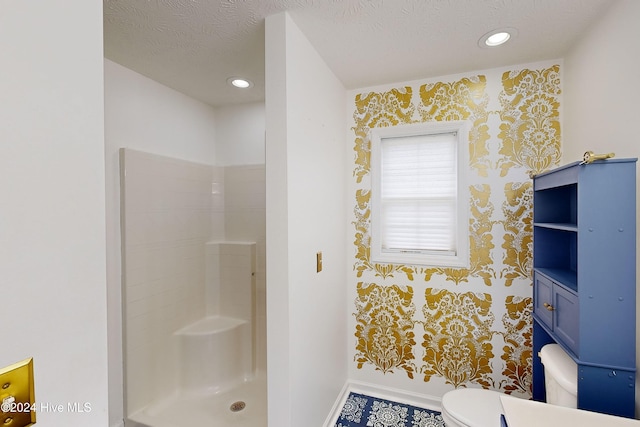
[{"x": 560, "y": 376}]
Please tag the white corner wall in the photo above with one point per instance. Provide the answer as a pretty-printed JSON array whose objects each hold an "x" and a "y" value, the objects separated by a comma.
[
  {"x": 601, "y": 102},
  {"x": 144, "y": 115},
  {"x": 52, "y": 188},
  {"x": 306, "y": 212},
  {"x": 600, "y": 89},
  {"x": 240, "y": 134}
]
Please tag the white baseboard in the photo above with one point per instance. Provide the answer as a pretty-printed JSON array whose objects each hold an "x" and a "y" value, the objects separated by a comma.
[
  {"x": 332, "y": 418},
  {"x": 382, "y": 392},
  {"x": 131, "y": 423}
]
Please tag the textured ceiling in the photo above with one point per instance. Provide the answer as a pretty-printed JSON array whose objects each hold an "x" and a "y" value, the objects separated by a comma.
[{"x": 193, "y": 46}]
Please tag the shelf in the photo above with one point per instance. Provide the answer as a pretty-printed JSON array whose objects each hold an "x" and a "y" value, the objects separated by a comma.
[
  {"x": 558, "y": 205},
  {"x": 557, "y": 226},
  {"x": 561, "y": 276},
  {"x": 555, "y": 248}
]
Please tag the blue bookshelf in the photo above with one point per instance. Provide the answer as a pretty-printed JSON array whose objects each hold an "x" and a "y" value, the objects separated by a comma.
[{"x": 584, "y": 273}]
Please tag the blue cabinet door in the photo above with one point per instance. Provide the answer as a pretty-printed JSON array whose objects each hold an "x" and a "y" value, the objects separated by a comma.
[
  {"x": 542, "y": 298},
  {"x": 566, "y": 322}
]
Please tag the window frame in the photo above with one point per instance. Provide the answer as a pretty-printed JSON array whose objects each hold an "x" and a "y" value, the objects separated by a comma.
[{"x": 461, "y": 258}]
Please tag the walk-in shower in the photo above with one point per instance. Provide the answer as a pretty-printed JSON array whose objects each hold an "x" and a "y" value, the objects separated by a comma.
[{"x": 192, "y": 299}]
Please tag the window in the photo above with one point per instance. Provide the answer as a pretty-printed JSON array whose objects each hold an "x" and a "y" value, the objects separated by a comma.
[{"x": 420, "y": 194}]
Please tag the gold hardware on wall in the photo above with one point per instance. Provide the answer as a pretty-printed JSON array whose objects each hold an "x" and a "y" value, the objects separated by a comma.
[
  {"x": 318, "y": 262},
  {"x": 589, "y": 157},
  {"x": 17, "y": 397}
]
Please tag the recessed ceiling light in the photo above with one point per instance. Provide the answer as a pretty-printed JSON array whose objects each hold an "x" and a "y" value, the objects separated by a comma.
[
  {"x": 239, "y": 82},
  {"x": 497, "y": 37}
]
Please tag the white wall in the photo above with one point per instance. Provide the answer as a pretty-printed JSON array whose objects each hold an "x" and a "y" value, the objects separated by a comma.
[
  {"x": 600, "y": 87},
  {"x": 52, "y": 243},
  {"x": 141, "y": 113},
  {"x": 601, "y": 100},
  {"x": 240, "y": 134},
  {"x": 144, "y": 115},
  {"x": 305, "y": 160}
]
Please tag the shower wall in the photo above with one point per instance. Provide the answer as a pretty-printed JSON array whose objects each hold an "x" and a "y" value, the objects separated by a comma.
[
  {"x": 166, "y": 221},
  {"x": 245, "y": 220},
  {"x": 172, "y": 211}
]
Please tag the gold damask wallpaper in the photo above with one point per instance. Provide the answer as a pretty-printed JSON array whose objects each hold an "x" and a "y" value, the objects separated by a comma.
[{"x": 438, "y": 325}]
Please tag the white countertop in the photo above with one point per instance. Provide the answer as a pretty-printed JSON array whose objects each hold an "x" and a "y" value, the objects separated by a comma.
[{"x": 528, "y": 413}]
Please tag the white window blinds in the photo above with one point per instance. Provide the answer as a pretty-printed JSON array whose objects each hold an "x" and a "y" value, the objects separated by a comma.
[{"x": 418, "y": 194}]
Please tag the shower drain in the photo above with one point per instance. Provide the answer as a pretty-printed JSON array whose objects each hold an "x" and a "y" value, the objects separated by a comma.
[{"x": 237, "y": 406}]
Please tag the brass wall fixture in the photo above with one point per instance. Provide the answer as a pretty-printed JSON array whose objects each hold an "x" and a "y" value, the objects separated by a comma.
[
  {"x": 590, "y": 157},
  {"x": 17, "y": 397},
  {"x": 318, "y": 262}
]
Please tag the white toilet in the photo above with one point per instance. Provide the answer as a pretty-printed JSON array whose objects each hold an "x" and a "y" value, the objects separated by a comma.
[{"x": 468, "y": 407}]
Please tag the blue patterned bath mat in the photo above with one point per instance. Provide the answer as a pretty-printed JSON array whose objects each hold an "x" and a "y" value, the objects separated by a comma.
[{"x": 366, "y": 411}]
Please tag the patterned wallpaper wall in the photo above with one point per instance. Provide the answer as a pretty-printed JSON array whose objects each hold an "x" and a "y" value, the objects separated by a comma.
[{"x": 435, "y": 329}]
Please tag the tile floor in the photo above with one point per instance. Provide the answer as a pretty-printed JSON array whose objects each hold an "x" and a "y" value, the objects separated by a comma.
[{"x": 360, "y": 410}]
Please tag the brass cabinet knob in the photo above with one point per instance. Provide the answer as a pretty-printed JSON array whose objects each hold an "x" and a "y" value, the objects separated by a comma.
[{"x": 548, "y": 306}]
